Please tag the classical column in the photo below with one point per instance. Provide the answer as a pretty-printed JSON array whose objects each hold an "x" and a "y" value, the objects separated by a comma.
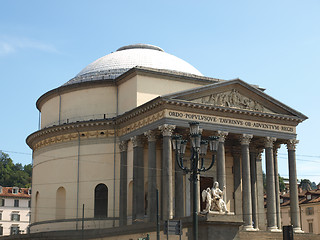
[
  {"x": 270, "y": 178},
  {"x": 236, "y": 153},
  {"x": 221, "y": 163},
  {"x": 276, "y": 175},
  {"x": 152, "y": 176},
  {"x": 178, "y": 192},
  {"x": 253, "y": 173},
  {"x": 260, "y": 191},
  {"x": 123, "y": 183},
  {"x": 294, "y": 200},
  {"x": 246, "y": 184},
  {"x": 138, "y": 180},
  {"x": 167, "y": 193}
]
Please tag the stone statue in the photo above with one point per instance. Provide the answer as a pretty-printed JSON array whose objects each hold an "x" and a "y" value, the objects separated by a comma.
[
  {"x": 217, "y": 198},
  {"x": 213, "y": 199}
]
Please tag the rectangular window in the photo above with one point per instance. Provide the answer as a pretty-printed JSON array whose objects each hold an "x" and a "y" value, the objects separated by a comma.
[
  {"x": 16, "y": 202},
  {"x": 310, "y": 227},
  {"x": 14, "y": 230},
  {"x": 29, "y": 204},
  {"x": 2, "y": 202},
  {"x": 309, "y": 211},
  {"x": 0, "y": 215},
  {"x": 1, "y": 230},
  {"x": 15, "y": 217}
]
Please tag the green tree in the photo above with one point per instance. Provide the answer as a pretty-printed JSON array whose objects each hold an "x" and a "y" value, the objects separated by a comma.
[
  {"x": 282, "y": 186},
  {"x": 305, "y": 184},
  {"x": 14, "y": 174}
]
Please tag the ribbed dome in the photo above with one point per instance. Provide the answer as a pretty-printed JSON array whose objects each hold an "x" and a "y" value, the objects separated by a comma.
[{"x": 127, "y": 57}]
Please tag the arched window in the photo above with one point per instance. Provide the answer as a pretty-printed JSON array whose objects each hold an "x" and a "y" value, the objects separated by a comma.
[
  {"x": 101, "y": 201},
  {"x": 61, "y": 203}
]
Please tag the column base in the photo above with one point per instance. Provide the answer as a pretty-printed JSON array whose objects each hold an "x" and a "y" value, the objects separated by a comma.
[
  {"x": 249, "y": 228},
  {"x": 274, "y": 229},
  {"x": 298, "y": 230}
]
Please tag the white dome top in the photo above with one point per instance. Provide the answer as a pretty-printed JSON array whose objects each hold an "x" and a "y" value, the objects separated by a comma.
[{"x": 138, "y": 55}]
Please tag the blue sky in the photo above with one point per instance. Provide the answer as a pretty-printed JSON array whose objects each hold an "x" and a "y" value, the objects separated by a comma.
[{"x": 274, "y": 44}]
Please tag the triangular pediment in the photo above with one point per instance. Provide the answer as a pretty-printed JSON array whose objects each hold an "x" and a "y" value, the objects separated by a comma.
[{"x": 235, "y": 94}]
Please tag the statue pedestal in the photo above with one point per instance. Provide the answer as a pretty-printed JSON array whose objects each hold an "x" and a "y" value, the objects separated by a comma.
[{"x": 217, "y": 213}]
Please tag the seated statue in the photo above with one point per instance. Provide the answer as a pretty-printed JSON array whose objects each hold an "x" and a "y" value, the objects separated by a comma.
[
  {"x": 213, "y": 199},
  {"x": 217, "y": 200}
]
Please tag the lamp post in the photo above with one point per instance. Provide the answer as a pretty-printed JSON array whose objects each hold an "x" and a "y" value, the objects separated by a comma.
[{"x": 198, "y": 150}]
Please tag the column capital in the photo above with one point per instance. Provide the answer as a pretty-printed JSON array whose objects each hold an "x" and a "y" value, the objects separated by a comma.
[
  {"x": 136, "y": 141},
  {"x": 245, "y": 139},
  {"x": 292, "y": 143},
  {"x": 151, "y": 136},
  {"x": 268, "y": 142},
  {"x": 167, "y": 129},
  {"x": 222, "y": 136},
  {"x": 123, "y": 145}
]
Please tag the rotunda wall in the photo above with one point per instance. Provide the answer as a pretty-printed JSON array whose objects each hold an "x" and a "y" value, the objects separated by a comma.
[
  {"x": 56, "y": 166},
  {"x": 79, "y": 105}
]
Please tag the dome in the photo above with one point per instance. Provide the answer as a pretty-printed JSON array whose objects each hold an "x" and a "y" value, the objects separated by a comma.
[{"x": 138, "y": 55}]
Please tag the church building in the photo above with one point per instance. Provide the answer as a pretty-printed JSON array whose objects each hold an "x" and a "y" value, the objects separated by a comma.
[{"x": 104, "y": 147}]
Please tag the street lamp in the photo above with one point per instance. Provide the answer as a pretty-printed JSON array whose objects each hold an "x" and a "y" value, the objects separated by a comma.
[{"x": 198, "y": 150}]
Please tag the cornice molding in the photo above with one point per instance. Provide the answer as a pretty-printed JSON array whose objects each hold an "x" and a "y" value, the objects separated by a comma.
[{"x": 69, "y": 132}]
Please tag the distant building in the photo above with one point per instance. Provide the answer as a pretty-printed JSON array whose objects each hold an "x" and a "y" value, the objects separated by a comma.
[
  {"x": 14, "y": 210},
  {"x": 309, "y": 208}
]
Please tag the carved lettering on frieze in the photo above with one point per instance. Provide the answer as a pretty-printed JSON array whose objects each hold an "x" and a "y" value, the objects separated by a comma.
[{"x": 233, "y": 99}]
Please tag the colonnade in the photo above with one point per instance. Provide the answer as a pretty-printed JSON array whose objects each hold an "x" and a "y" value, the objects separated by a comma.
[{"x": 249, "y": 202}]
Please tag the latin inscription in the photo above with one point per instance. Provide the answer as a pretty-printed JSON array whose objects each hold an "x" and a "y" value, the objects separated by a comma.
[{"x": 231, "y": 121}]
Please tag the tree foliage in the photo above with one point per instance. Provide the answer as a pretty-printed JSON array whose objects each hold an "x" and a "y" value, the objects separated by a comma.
[
  {"x": 305, "y": 184},
  {"x": 14, "y": 174},
  {"x": 282, "y": 186}
]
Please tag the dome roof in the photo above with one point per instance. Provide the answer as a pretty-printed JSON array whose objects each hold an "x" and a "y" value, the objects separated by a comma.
[{"x": 138, "y": 55}]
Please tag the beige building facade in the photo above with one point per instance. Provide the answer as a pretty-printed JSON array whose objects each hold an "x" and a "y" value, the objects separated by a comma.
[
  {"x": 14, "y": 210},
  {"x": 104, "y": 146},
  {"x": 309, "y": 210}
]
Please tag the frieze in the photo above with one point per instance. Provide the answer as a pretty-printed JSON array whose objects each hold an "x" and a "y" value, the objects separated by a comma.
[
  {"x": 233, "y": 99},
  {"x": 138, "y": 124},
  {"x": 228, "y": 121},
  {"x": 72, "y": 137}
]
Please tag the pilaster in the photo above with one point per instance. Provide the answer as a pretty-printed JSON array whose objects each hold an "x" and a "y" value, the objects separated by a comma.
[
  {"x": 152, "y": 176},
  {"x": 123, "y": 146}
]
